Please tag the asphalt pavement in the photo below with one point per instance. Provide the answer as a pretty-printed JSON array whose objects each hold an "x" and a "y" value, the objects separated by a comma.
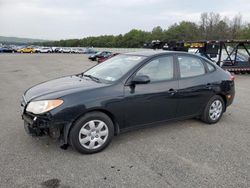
[{"x": 185, "y": 154}]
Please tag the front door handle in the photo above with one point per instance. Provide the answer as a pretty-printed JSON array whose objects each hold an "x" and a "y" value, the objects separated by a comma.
[
  {"x": 172, "y": 91},
  {"x": 208, "y": 86}
]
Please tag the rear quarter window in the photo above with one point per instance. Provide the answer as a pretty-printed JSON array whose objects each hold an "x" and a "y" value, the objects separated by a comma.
[{"x": 210, "y": 67}]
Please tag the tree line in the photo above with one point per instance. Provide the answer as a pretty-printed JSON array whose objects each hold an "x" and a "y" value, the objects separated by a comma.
[{"x": 212, "y": 26}]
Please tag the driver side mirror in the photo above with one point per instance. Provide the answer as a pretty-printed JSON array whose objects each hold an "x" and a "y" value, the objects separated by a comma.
[{"x": 140, "y": 79}]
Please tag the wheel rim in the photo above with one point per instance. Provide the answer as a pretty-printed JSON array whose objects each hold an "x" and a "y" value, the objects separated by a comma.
[
  {"x": 215, "y": 110},
  {"x": 93, "y": 134}
]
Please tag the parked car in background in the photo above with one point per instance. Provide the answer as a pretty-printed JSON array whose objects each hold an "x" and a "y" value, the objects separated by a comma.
[
  {"x": 1, "y": 49},
  {"x": 8, "y": 49},
  {"x": 127, "y": 92},
  {"x": 77, "y": 50},
  {"x": 100, "y": 60},
  {"x": 65, "y": 50},
  {"x": 36, "y": 48},
  {"x": 80, "y": 50},
  {"x": 57, "y": 50},
  {"x": 99, "y": 55},
  {"x": 26, "y": 50},
  {"x": 43, "y": 50},
  {"x": 18, "y": 48},
  {"x": 73, "y": 50},
  {"x": 54, "y": 49},
  {"x": 89, "y": 51}
]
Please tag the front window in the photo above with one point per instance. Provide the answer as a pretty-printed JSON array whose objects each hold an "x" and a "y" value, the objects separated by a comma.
[
  {"x": 113, "y": 69},
  {"x": 159, "y": 69}
]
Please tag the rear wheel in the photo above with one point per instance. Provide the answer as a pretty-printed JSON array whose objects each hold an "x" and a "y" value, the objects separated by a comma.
[
  {"x": 92, "y": 133},
  {"x": 214, "y": 110}
]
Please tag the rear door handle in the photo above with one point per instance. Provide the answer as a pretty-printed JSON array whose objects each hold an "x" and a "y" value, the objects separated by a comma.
[{"x": 172, "y": 91}]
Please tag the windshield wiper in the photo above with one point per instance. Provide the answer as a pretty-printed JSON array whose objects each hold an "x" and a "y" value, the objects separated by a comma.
[{"x": 92, "y": 77}]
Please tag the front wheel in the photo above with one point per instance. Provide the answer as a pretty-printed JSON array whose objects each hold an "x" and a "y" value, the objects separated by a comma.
[
  {"x": 92, "y": 133},
  {"x": 214, "y": 110}
]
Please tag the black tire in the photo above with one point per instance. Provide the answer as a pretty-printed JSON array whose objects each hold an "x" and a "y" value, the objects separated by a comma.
[
  {"x": 74, "y": 133},
  {"x": 205, "y": 117}
]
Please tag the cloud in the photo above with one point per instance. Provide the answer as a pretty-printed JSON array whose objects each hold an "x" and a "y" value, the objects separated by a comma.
[{"x": 59, "y": 19}]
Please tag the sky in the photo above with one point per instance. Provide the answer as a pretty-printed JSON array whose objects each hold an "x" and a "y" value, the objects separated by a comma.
[{"x": 65, "y": 19}]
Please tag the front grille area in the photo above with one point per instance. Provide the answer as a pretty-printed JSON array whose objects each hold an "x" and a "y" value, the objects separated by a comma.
[
  {"x": 23, "y": 104},
  {"x": 23, "y": 101}
]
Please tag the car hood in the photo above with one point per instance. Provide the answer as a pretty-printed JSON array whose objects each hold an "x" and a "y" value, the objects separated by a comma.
[{"x": 61, "y": 87}]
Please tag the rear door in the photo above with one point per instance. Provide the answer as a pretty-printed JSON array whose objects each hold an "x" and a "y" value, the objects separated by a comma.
[{"x": 194, "y": 85}]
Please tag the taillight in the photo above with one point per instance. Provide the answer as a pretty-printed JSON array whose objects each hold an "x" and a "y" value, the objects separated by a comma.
[{"x": 232, "y": 78}]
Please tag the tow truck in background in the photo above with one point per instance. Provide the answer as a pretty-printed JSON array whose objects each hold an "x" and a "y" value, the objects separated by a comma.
[{"x": 231, "y": 55}]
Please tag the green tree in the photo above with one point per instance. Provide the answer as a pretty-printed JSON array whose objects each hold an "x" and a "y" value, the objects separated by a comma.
[
  {"x": 210, "y": 27},
  {"x": 157, "y": 33},
  {"x": 245, "y": 32},
  {"x": 183, "y": 31}
]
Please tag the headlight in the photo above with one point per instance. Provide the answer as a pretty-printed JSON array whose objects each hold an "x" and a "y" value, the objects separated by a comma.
[{"x": 39, "y": 107}]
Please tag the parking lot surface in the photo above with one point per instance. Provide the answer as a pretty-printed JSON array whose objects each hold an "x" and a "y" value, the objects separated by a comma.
[{"x": 178, "y": 154}]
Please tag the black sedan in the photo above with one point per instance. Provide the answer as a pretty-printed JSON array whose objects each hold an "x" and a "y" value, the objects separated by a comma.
[
  {"x": 97, "y": 55},
  {"x": 126, "y": 92},
  {"x": 8, "y": 49}
]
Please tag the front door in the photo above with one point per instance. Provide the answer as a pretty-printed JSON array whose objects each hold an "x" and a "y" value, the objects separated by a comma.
[{"x": 156, "y": 100}]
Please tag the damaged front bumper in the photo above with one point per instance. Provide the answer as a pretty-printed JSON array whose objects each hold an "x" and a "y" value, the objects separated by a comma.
[
  {"x": 39, "y": 126},
  {"x": 45, "y": 124}
]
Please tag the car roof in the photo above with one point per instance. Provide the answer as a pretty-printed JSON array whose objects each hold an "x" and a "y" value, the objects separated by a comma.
[{"x": 149, "y": 53}]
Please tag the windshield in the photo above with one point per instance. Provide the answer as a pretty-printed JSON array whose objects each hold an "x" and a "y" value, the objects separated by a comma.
[
  {"x": 113, "y": 69},
  {"x": 98, "y": 53}
]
